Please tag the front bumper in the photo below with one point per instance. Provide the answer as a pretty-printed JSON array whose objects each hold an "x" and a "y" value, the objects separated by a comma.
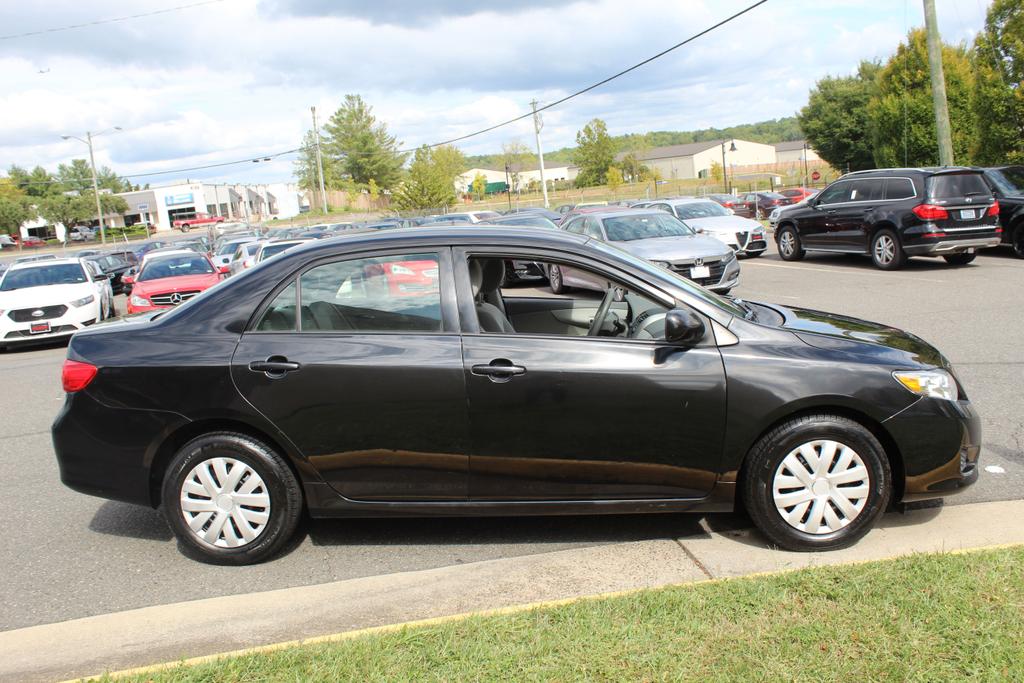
[
  {"x": 951, "y": 246},
  {"x": 72, "y": 321},
  {"x": 940, "y": 445}
]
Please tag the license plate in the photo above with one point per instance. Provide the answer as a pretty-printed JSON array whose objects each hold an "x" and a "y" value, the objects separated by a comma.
[
  {"x": 700, "y": 271},
  {"x": 39, "y": 328},
  {"x": 967, "y": 213}
]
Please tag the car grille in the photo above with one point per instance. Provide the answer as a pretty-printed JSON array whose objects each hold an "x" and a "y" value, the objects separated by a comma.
[
  {"x": 717, "y": 268},
  {"x": 18, "y": 334},
  {"x": 170, "y": 299},
  {"x": 24, "y": 315}
]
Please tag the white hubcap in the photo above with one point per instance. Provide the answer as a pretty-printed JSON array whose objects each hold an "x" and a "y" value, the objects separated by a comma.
[
  {"x": 885, "y": 249},
  {"x": 225, "y": 502},
  {"x": 821, "y": 487}
]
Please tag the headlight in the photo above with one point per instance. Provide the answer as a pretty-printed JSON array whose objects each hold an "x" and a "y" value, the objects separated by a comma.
[
  {"x": 84, "y": 301},
  {"x": 139, "y": 301},
  {"x": 729, "y": 257},
  {"x": 931, "y": 383}
]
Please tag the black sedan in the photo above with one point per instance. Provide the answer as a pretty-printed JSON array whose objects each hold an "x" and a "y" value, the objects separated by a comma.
[
  {"x": 114, "y": 267},
  {"x": 387, "y": 374}
]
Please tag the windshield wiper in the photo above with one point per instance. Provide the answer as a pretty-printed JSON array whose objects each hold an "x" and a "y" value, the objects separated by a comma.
[{"x": 749, "y": 313}]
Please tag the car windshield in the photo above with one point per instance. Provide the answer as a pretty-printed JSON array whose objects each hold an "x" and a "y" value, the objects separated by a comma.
[
  {"x": 535, "y": 221},
  {"x": 656, "y": 272},
  {"x": 646, "y": 226},
  {"x": 1010, "y": 181},
  {"x": 272, "y": 249},
  {"x": 773, "y": 195},
  {"x": 173, "y": 266},
  {"x": 59, "y": 274},
  {"x": 701, "y": 210},
  {"x": 228, "y": 248}
]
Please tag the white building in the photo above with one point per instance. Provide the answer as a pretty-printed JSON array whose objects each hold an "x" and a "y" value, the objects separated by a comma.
[
  {"x": 694, "y": 160},
  {"x": 552, "y": 174},
  {"x": 795, "y": 150}
]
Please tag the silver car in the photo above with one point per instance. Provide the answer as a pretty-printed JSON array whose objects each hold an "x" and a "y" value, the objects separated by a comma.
[
  {"x": 658, "y": 237},
  {"x": 744, "y": 235}
]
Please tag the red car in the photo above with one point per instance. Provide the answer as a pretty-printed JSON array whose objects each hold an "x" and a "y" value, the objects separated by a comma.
[
  {"x": 760, "y": 204},
  {"x": 185, "y": 224},
  {"x": 32, "y": 241},
  {"x": 728, "y": 201},
  {"x": 798, "y": 194},
  {"x": 167, "y": 280},
  {"x": 406, "y": 278}
]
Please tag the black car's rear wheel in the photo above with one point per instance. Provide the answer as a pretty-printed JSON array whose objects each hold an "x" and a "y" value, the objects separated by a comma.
[
  {"x": 959, "y": 259},
  {"x": 1017, "y": 240},
  {"x": 817, "y": 482},
  {"x": 886, "y": 251},
  {"x": 789, "y": 245},
  {"x": 230, "y": 499}
]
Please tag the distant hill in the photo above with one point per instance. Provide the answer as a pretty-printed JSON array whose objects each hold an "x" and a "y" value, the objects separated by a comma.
[{"x": 774, "y": 130}]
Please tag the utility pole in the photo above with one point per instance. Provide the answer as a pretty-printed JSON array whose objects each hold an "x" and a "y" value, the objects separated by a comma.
[
  {"x": 537, "y": 125},
  {"x": 319, "y": 163},
  {"x": 939, "y": 101},
  {"x": 96, "y": 189}
]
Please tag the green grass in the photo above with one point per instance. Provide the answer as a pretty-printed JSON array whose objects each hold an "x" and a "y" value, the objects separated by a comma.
[{"x": 920, "y": 618}]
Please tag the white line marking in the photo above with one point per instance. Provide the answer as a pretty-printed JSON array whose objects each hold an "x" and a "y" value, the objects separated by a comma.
[
  {"x": 834, "y": 270},
  {"x": 994, "y": 469}
]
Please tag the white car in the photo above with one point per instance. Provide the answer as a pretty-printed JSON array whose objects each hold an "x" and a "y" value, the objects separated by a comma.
[
  {"x": 225, "y": 249},
  {"x": 773, "y": 217},
  {"x": 80, "y": 233},
  {"x": 745, "y": 236},
  {"x": 244, "y": 257},
  {"x": 7, "y": 242},
  {"x": 50, "y": 300},
  {"x": 268, "y": 249}
]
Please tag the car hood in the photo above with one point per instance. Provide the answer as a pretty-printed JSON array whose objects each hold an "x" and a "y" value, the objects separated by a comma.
[
  {"x": 723, "y": 224},
  {"x": 180, "y": 283},
  {"x": 675, "y": 248},
  {"x": 50, "y": 295},
  {"x": 831, "y": 331}
]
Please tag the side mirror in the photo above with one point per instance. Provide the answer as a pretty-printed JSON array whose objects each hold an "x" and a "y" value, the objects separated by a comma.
[
  {"x": 683, "y": 326},
  {"x": 128, "y": 279},
  {"x": 224, "y": 270}
]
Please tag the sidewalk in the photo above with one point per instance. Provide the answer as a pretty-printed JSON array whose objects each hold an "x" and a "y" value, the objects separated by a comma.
[{"x": 170, "y": 632}]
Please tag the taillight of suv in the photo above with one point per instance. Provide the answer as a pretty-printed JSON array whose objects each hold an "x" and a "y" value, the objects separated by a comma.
[
  {"x": 994, "y": 209},
  {"x": 930, "y": 212}
]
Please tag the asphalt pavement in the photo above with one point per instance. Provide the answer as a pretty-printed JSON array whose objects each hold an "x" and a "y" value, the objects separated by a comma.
[{"x": 66, "y": 555}]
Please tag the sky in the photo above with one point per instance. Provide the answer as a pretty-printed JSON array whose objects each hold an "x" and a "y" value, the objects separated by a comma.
[{"x": 235, "y": 79}]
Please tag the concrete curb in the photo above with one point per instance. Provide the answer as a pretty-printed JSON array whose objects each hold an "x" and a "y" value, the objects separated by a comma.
[{"x": 281, "y": 618}]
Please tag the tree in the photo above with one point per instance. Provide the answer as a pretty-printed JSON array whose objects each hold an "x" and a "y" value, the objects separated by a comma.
[
  {"x": 429, "y": 184},
  {"x": 37, "y": 183},
  {"x": 67, "y": 209},
  {"x": 77, "y": 177},
  {"x": 594, "y": 153},
  {"x": 901, "y": 120},
  {"x": 516, "y": 157},
  {"x": 449, "y": 161},
  {"x": 479, "y": 186},
  {"x": 716, "y": 172},
  {"x": 361, "y": 146},
  {"x": 14, "y": 210},
  {"x": 613, "y": 178},
  {"x": 998, "y": 102},
  {"x": 835, "y": 120},
  {"x": 306, "y": 170}
]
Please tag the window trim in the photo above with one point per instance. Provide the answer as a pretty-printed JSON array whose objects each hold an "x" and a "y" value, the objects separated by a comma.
[
  {"x": 870, "y": 201},
  {"x": 446, "y": 287}
]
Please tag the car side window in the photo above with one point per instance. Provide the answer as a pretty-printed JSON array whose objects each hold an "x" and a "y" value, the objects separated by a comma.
[
  {"x": 866, "y": 190},
  {"x": 592, "y": 228},
  {"x": 835, "y": 193},
  {"x": 899, "y": 188},
  {"x": 280, "y": 314},
  {"x": 394, "y": 293},
  {"x": 575, "y": 225}
]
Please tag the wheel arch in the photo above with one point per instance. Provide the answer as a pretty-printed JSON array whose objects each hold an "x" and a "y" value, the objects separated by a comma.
[
  {"x": 173, "y": 442},
  {"x": 883, "y": 224},
  {"x": 889, "y": 446}
]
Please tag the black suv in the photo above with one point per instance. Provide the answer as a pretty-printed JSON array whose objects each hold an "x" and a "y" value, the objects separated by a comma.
[
  {"x": 1007, "y": 183},
  {"x": 894, "y": 213}
]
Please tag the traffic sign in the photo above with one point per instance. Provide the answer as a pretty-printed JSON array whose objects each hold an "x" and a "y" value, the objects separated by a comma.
[{"x": 815, "y": 176}]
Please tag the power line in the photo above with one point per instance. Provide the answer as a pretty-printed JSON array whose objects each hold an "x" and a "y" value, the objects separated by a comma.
[{"x": 99, "y": 22}]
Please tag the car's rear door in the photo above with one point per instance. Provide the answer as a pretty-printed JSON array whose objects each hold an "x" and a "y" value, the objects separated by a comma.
[
  {"x": 367, "y": 380},
  {"x": 588, "y": 418},
  {"x": 849, "y": 229}
]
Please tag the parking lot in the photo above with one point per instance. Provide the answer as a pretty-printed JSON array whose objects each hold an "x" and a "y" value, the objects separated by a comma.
[{"x": 68, "y": 555}]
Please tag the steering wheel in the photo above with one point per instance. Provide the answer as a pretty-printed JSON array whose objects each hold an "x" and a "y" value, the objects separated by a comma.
[{"x": 602, "y": 312}]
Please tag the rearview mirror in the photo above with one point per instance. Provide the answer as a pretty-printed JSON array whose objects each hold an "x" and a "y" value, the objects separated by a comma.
[{"x": 683, "y": 326}]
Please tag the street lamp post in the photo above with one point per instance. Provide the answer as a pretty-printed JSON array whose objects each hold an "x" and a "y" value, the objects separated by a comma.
[
  {"x": 805, "y": 163},
  {"x": 725, "y": 170},
  {"x": 95, "y": 185}
]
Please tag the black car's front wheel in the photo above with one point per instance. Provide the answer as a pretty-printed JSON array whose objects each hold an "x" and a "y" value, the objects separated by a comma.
[
  {"x": 231, "y": 499},
  {"x": 817, "y": 482},
  {"x": 789, "y": 245}
]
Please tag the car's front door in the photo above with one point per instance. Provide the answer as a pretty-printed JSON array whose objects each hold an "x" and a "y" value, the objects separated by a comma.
[
  {"x": 817, "y": 228},
  {"x": 589, "y": 418},
  {"x": 849, "y": 229},
  {"x": 367, "y": 379}
]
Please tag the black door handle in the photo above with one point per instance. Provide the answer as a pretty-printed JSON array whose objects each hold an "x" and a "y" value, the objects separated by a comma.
[
  {"x": 499, "y": 370},
  {"x": 274, "y": 367}
]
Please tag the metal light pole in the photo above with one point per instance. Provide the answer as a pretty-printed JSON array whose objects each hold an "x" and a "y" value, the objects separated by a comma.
[
  {"x": 537, "y": 125},
  {"x": 725, "y": 170},
  {"x": 319, "y": 163},
  {"x": 805, "y": 163},
  {"x": 95, "y": 185},
  {"x": 939, "y": 101}
]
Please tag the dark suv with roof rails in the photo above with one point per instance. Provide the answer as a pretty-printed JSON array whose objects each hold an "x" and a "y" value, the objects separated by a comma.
[
  {"x": 891, "y": 214},
  {"x": 1007, "y": 183}
]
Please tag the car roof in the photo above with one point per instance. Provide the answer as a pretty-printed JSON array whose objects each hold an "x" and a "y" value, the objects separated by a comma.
[
  {"x": 44, "y": 262},
  {"x": 156, "y": 255},
  {"x": 614, "y": 212}
]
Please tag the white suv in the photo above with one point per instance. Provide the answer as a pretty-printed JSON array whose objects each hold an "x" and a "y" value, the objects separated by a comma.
[{"x": 50, "y": 299}]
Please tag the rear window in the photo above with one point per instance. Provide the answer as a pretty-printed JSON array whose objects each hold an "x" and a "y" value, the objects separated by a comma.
[{"x": 957, "y": 185}]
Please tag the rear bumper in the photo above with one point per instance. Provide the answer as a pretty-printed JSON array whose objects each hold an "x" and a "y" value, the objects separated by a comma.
[
  {"x": 940, "y": 445},
  {"x": 952, "y": 246}
]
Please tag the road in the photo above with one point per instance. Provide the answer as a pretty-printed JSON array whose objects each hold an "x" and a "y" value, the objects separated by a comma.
[{"x": 67, "y": 555}]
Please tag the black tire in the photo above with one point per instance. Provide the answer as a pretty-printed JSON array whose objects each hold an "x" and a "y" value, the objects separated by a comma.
[
  {"x": 788, "y": 244},
  {"x": 285, "y": 497},
  {"x": 555, "y": 279},
  {"x": 959, "y": 259},
  {"x": 765, "y": 460},
  {"x": 185, "y": 228},
  {"x": 1017, "y": 240},
  {"x": 753, "y": 254},
  {"x": 886, "y": 251}
]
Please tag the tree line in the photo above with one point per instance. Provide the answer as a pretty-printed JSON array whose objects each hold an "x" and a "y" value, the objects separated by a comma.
[
  {"x": 882, "y": 115},
  {"x": 64, "y": 197}
]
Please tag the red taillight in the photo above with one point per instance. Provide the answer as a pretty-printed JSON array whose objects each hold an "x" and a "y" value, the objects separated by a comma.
[
  {"x": 76, "y": 376},
  {"x": 930, "y": 212},
  {"x": 994, "y": 209}
]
